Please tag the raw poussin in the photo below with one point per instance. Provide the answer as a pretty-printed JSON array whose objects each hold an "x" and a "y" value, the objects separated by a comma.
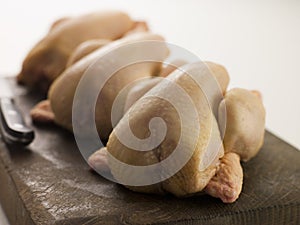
[
  {"x": 49, "y": 57},
  {"x": 243, "y": 137},
  {"x": 61, "y": 95},
  {"x": 221, "y": 174},
  {"x": 73, "y": 45}
]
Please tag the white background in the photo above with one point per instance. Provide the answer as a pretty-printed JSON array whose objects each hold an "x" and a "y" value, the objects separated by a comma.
[{"x": 258, "y": 41}]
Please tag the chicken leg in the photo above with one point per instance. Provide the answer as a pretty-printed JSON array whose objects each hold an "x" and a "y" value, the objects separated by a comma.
[{"x": 244, "y": 134}]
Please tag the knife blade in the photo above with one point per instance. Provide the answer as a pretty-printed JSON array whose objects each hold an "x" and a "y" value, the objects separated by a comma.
[{"x": 13, "y": 128}]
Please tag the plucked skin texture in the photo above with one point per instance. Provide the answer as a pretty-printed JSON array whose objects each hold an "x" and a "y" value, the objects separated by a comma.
[
  {"x": 227, "y": 183},
  {"x": 220, "y": 74},
  {"x": 86, "y": 48},
  {"x": 73, "y": 44},
  {"x": 244, "y": 135},
  {"x": 61, "y": 95},
  {"x": 42, "y": 112},
  {"x": 48, "y": 58},
  {"x": 245, "y": 127},
  {"x": 89, "y": 46},
  {"x": 189, "y": 179},
  {"x": 224, "y": 177},
  {"x": 145, "y": 85}
]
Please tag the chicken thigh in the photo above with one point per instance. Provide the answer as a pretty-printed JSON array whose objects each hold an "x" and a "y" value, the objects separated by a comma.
[{"x": 243, "y": 137}]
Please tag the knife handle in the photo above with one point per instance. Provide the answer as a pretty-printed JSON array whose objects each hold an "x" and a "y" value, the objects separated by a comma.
[{"x": 13, "y": 124}]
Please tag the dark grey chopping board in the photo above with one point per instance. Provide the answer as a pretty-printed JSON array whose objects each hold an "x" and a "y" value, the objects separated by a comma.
[{"x": 50, "y": 183}]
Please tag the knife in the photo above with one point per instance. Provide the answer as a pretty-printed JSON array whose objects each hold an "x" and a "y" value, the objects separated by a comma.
[{"x": 13, "y": 128}]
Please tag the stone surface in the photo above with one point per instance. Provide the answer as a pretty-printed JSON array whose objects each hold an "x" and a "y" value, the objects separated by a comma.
[{"x": 50, "y": 183}]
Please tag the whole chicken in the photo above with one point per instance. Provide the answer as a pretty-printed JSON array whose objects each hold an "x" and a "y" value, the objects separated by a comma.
[
  {"x": 49, "y": 57},
  {"x": 59, "y": 105},
  {"x": 214, "y": 167}
]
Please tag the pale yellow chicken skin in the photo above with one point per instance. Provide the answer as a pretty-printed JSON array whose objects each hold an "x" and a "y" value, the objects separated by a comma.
[
  {"x": 223, "y": 177},
  {"x": 61, "y": 95},
  {"x": 49, "y": 57},
  {"x": 240, "y": 110}
]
